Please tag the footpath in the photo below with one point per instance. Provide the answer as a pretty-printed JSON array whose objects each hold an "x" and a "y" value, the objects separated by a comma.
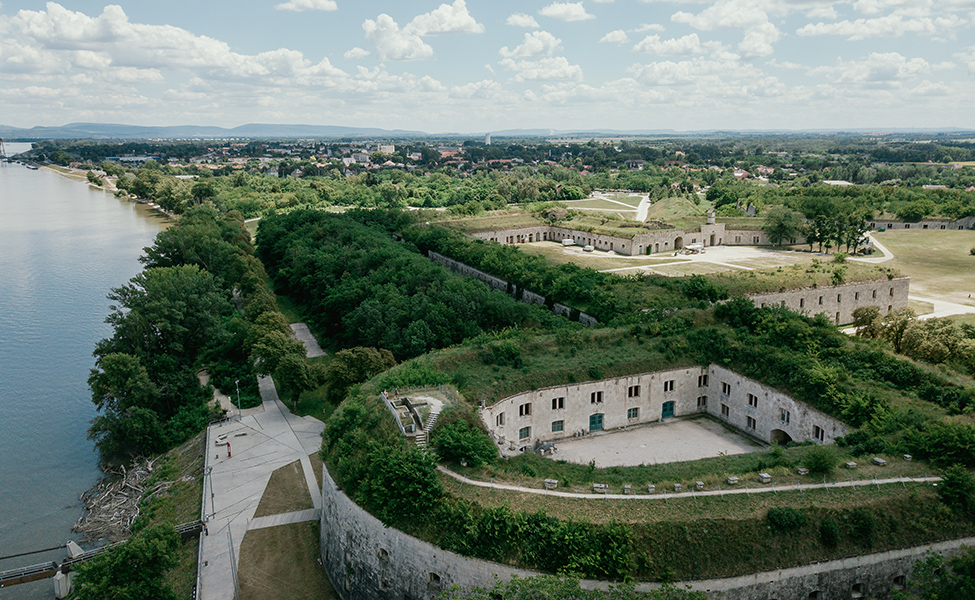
[{"x": 237, "y": 475}]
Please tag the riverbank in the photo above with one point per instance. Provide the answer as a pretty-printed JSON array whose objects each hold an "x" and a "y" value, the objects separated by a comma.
[{"x": 109, "y": 186}]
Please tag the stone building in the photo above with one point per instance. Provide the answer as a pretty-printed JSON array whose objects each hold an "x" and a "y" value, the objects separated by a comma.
[{"x": 520, "y": 421}]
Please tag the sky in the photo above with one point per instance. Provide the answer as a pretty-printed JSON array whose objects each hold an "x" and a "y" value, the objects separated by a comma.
[{"x": 481, "y": 66}]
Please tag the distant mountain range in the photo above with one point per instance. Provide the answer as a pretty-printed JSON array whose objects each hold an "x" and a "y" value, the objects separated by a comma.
[{"x": 111, "y": 131}]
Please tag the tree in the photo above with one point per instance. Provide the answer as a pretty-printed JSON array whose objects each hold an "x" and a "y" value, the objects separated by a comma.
[
  {"x": 272, "y": 348},
  {"x": 134, "y": 570},
  {"x": 935, "y": 578},
  {"x": 868, "y": 321},
  {"x": 355, "y": 365},
  {"x": 781, "y": 225},
  {"x": 294, "y": 376}
]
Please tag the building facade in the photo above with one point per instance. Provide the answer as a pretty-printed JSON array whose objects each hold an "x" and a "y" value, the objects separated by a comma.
[{"x": 521, "y": 421}]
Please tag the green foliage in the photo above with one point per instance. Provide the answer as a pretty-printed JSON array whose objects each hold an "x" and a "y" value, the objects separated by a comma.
[
  {"x": 785, "y": 518},
  {"x": 862, "y": 523},
  {"x": 820, "y": 460},
  {"x": 698, "y": 287},
  {"x": 401, "y": 485},
  {"x": 935, "y": 578},
  {"x": 782, "y": 225},
  {"x": 957, "y": 489},
  {"x": 355, "y": 365},
  {"x": 130, "y": 571},
  {"x": 460, "y": 440},
  {"x": 829, "y": 533}
]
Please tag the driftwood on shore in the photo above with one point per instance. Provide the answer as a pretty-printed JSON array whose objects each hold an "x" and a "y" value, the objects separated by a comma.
[{"x": 113, "y": 505}]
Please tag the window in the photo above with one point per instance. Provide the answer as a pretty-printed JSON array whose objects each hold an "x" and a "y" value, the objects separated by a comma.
[
  {"x": 632, "y": 413},
  {"x": 819, "y": 433},
  {"x": 839, "y": 297},
  {"x": 500, "y": 419},
  {"x": 724, "y": 410},
  {"x": 702, "y": 401},
  {"x": 702, "y": 381},
  {"x": 755, "y": 239},
  {"x": 525, "y": 409},
  {"x": 875, "y": 293},
  {"x": 558, "y": 425},
  {"x": 891, "y": 292},
  {"x": 856, "y": 296},
  {"x": 802, "y": 302},
  {"x": 784, "y": 415},
  {"x": 558, "y": 403},
  {"x": 750, "y": 423},
  {"x": 907, "y": 225},
  {"x": 820, "y": 300},
  {"x": 753, "y": 400},
  {"x": 633, "y": 391},
  {"x": 669, "y": 385},
  {"x": 725, "y": 388},
  {"x": 595, "y": 397},
  {"x": 524, "y": 433}
]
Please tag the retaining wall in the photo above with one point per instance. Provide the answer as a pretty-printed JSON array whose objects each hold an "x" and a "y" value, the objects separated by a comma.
[
  {"x": 838, "y": 302},
  {"x": 366, "y": 560}
]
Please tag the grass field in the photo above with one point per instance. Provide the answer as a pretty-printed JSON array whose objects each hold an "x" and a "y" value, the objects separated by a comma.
[
  {"x": 285, "y": 492},
  {"x": 600, "y": 203},
  {"x": 600, "y": 261},
  {"x": 281, "y": 563},
  {"x": 938, "y": 262}
]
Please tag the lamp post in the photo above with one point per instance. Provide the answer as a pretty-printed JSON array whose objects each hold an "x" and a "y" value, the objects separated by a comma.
[{"x": 237, "y": 383}]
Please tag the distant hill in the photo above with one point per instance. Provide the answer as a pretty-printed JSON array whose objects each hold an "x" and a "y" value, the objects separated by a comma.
[{"x": 252, "y": 130}]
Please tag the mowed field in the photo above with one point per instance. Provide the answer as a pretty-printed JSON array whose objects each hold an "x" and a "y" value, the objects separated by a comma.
[
  {"x": 938, "y": 262},
  {"x": 599, "y": 260}
]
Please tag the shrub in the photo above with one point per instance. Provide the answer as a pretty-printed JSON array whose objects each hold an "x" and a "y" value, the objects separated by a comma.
[
  {"x": 786, "y": 518},
  {"x": 820, "y": 460},
  {"x": 957, "y": 489},
  {"x": 972, "y": 251},
  {"x": 461, "y": 441},
  {"x": 862, "y": 524},
  {"x": 829, "y": 533}
]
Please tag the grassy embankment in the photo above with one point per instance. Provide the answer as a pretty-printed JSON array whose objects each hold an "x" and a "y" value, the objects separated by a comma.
[{"x": 938, "y": 262}]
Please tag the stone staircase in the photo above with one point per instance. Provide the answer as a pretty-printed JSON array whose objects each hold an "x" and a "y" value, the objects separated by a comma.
[{"x": 421, "y": 437}]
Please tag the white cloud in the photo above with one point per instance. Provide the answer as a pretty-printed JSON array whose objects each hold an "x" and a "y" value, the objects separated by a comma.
[
  {"x": 893, "y": 25},
  {"x": 521, "y": 20},
  {"x": 536, "y": 43},
  {"x": 566, "y": 11},
  {"x": 556, "y": 68},
  {"x": 615, "y": 37},
  {"x": 650, "y": 27},
  {"x": 746, "y": 15},
  {"x": 652, "y": 44},
  {"x": 356, "y": 52},
  {"x": 967, "y": 59},
  {"x": 877, "y": 69},
  {"x": 447, "y": 18},
  {"x": 303, "y": 5},
  {"x": 822, "y": 12},
  {"x": 393, "y": 44}
]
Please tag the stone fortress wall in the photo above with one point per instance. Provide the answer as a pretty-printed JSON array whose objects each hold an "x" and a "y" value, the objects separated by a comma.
[
  {"x": 965, "y": 223},
  {"x": 366, "y": 560},
  {"x": 549, "y": 414},
  {"x": 838, "y": 302}
]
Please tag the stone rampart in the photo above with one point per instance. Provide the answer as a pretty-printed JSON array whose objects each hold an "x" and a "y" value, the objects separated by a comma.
[
  {"x": 366, "y": 560},
  {"x": 839, "y": 302},
  {"x": 966, "y": 223},
  {"x": 522, "y": 294}
]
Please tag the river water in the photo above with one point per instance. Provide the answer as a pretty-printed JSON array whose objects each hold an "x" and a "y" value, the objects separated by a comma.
[{"x": 63, "y": 246}]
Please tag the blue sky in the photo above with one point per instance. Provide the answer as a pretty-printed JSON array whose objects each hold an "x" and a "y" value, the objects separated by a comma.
[{"x": 480, "y": 66}]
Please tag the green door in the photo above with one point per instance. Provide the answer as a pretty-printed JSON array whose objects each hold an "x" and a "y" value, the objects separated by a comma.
[
  {"x": 596, "y": 422},
  {"x": 668, "y": 410}
]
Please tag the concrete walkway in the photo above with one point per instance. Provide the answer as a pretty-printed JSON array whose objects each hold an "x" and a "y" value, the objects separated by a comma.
[
  {"x": 942, "y": 308},
  {"x": 741, "y": 489},
  {"x": 298, "y": 516},
  {"x": 885, "y": 253},
  {"x": 312, "y": 349},
  {"x": 259, "y": 444}
]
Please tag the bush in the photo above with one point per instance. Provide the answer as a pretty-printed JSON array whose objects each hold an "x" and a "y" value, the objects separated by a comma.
[
  {"x": 829, "y": 533},
  {"x": 786, "y": 518},
  {"x": 820, "y": 460},
  {"x": 972, "y": 251},
  {"x": 461, "y": 441},
  {"x": 957, "y": 489},
  {"x": 862, "y": 524}
]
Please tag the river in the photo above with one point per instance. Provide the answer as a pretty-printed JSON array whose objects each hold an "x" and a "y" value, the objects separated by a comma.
[{"x": 63, "y": 246}]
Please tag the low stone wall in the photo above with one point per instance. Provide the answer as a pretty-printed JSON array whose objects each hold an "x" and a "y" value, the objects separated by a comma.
[
  {"x": 496, "y": 283},
  {"x": 366, "y": 560},
  {"x": 839, "y": 302},
  {"x": 966, "y": 223}
]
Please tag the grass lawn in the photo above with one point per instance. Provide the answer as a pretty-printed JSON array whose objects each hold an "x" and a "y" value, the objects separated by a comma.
[
  {"x": 671, "y": 209},
  {"x": 285, "y": 492},
  {"x": 694, "y": 268},
  {"x": 938, "y": 262},
  {"x": 316, "y": 465},
  {"x": 600, "y": 203},
  {"x": 624, "y": 197},
  {"x": 282, "y": 563},
  {"x": 964, "y": 319},
  {"x": 559, "y": 255},
  {"x": 920, "y": 308}
]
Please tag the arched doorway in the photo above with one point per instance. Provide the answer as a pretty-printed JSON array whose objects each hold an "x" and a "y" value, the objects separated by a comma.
[
  {"x": 678, "y": 243},
  {"x": 712, "y": 239},
  {"x": 780, "y": 437}
]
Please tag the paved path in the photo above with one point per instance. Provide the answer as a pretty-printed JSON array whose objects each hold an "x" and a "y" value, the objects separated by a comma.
[
  {"x": 885, "y": 253},
  {"x": 744, "y": 489},
  {"x": 942, "y": 308},
  {"x": 312, "y": 349},
  {"x": 259, "y": 444},
  {"x": 643, "y": 208},
  {"x": 298, "y": 516}
]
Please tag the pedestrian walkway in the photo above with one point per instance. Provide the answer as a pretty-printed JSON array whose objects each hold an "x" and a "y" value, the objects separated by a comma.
[
  {"x": 740, "y": 489},
  {"x": 304, "y": 335},
  {"x": 298, "y": 516},
  {"x": 237, "y": 475}
]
